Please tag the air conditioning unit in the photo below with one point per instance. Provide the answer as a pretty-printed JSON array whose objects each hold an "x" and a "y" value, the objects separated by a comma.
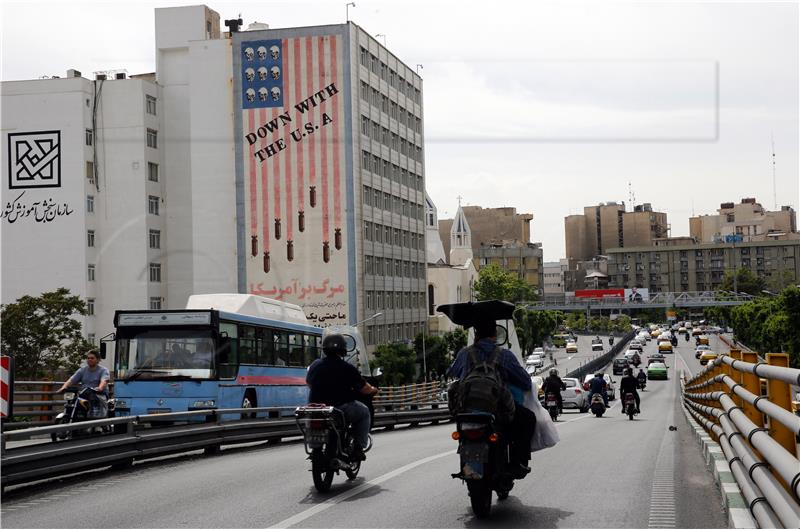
[
  {"x": 120, "y": 75},
  {"x": 100, "y": 77}
]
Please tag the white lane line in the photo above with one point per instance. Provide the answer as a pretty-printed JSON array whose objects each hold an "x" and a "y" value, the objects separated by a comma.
[{"x": 327, "y": 504}]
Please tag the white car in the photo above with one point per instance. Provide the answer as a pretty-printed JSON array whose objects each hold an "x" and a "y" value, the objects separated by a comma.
[
  {"x": 610, "y": 386},
  {"x": 534, "y": 360},
  {"x": 572, "y": 347},
  {"x": 539, "y": 350},
  {"x": 574, "y": 396}
]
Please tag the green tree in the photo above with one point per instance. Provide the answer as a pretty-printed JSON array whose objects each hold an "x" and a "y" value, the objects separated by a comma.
[
  {"x": 770, "y": 325},
  {"x": 495, "y": 283},
  {"x": 42, "y": 334},
  {"x": 779, "y": 280},
  {"x": 397, "y": 361},
  {"x": 621, "y": 324},
  {"x": 533, "y": 326},
  {"x": 437, "y": 357},
  {"x": 746, "y": 282},
  {"x": 455, "y": 340}
]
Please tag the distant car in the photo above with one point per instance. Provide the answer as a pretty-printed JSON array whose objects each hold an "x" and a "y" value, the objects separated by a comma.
[
  {"x": 702, "y": 339},
  {"x": 574, "y": 396},
  {"x": 656, "y": 357},
  {"x": 708, "y": 356},
  {"x": 572, "y": 347},
  {"x": 620, "y": 365},
  {"x": 534, "y": 360},
  {"x": 697, "y": 331},
  {"x": 700, "y": 350},
  {"x": 630, "y": 353},
  {"x": 644, "y": 336},
  {"x": 635, "y": 344},
  {"x": 656, "y": 333},
  {"x": 664, "y": 346},
  {"x": 539, "y": 350},
  {"x": 597, "y": 346},
  {"x": 657, "y": 370},
  {"x": 681, "y": 330},
  {"x": 610, "y": 386}
]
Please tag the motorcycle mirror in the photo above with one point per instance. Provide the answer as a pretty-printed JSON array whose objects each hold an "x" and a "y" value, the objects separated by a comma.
[
  {"x": 350, "y": 343},
  {"x": 377, "y": 372},
  {"x": 502, "y": 335},
  {"x": 103, "y": 350}
]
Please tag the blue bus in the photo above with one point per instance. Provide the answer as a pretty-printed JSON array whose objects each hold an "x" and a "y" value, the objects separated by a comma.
[{"x": 222, "y": 351}]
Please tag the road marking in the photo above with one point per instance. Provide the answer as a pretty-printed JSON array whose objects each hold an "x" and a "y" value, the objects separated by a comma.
[
  {"x": 327, "y": 504},
  {"x": 662, "y": 492}
]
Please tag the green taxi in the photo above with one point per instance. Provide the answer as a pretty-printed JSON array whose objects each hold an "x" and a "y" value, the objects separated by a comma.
[{"x": 657, "y": 371}]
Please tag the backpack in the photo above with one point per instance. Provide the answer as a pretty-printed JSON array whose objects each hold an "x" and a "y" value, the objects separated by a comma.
[{"x": 482, "y": 389}]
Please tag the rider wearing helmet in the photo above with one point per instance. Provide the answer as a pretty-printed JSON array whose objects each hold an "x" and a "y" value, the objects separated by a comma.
[
  {"x": 336, "y": 383},
  {"x": 554, "y": 384},
  {"x": 628, "y": 385}
]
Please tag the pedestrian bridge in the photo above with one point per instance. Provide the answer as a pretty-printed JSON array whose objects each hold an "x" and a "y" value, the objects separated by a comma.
[{"x": 660, "y": 300}]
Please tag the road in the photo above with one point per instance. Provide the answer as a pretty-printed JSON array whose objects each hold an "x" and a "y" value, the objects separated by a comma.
[{"x": 607, "y": 472}]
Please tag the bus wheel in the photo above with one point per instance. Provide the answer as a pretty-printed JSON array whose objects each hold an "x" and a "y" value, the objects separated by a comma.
[{"x": 249, "y": 401}]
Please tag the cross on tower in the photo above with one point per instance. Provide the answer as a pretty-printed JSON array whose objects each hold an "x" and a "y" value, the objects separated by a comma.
[{"x": 459, "y": 197}]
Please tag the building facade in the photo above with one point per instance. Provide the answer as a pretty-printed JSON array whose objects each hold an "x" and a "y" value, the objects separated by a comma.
[
  {"x": 748, "y": 219},
  {"x": 490, "y": 225},
  {"x": 287, "y": 163},
  {"x": 607, "y": 226},
  {"x": 702, "y": 267},
  {"x": 553, "y": 277},
  {"x": 523, "y": 260}
]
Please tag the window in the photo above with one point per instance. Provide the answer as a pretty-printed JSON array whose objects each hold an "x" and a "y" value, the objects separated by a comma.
[
  {"x": 152, "y": 205},
  {"x": 89, "y": 204},
  {"x": 155, "y": 239},
  {"x": 89, "y": 137},
  {"x": 90, "y": 238},
  {"x": 151, "y": 105},
  {"x": 152, "y": 138},
  {"x": 152, "y": 171},
  {"x": 155, "y": 272},
  {"x": 90, "y": 172},
  {"x": 155, "y": 303},
  {"x": 90, "y": 306},
  {"x": 90, "y": 272},
  {"x": 91, "y": 338}
]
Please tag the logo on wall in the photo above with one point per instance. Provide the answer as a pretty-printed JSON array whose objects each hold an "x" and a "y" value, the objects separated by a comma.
[
  {"x": 262, "y": 78},
  {"x": 34, "y": 159}
]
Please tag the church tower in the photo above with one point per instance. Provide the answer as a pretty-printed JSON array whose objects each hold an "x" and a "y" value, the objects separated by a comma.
[
  {"x": 460, "y": 239},
  {"x": 434, "y": 248}
]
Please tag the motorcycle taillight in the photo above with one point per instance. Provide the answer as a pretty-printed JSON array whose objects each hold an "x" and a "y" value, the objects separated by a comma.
[{"x": 473, "y": 435}]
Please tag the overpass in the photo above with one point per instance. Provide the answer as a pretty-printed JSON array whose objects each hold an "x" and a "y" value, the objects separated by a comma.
[{"x": 660, "y": 300}]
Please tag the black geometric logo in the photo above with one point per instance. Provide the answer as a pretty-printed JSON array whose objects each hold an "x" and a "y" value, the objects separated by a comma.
[{"x": 34, "y": 159}]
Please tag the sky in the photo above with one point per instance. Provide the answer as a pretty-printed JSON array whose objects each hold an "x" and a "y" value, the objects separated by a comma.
[{"x": 543, "y": 106}]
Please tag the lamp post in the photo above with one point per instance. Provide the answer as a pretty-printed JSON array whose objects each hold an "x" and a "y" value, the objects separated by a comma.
[
  {"x": 377, "y": 314},
  {"x": 418, "y": 68},
  {"x": 381, "y": 35},
  {"x": 347, "y": 9}
]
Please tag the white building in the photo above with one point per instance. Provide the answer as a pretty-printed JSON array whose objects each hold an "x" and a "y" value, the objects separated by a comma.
[
  {"x": 554, "y": 276},
  {"x": 139, "y": 192}
]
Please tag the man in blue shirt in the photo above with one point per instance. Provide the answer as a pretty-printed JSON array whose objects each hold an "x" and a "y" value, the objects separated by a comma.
[
  {"x": 96, "y": 377},
  {"x": 517, "y": 380}
]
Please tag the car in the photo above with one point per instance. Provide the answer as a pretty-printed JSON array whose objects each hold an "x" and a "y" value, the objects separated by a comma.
[
  {"x": 574, "y": 396},
  {"x": 644, "y": 336},
  {"x": 700, "y": 350},
  {"x": 655, "y": 333},
  {"x": 681, "y": 329},
  {"x": 635, "y": 344},
  {"x": 702, "y": 339},
  {"x": 664, "y": 346},
  {"x": 610, "y": 386},
  {"x": 630, "y": 352},
  {"x": 572, "y": 347},
  {"x": 656, "y": 357},
  {"x": 539, "y": 350},
  {"x": 708, "y": 356},
  {"x": 697, "y": 331},
  {"x": 535, "y": 360},
  {"x": 657, "y": 370},
  {"x": 619, "y": 366},
  {"x": 597, "y": 346}
]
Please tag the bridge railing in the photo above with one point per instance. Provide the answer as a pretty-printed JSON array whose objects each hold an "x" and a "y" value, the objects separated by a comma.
[{"x": 745, "y": 404}]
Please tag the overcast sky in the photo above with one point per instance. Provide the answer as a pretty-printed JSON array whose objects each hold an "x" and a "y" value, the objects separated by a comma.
[{"x": 544, "y": 106}]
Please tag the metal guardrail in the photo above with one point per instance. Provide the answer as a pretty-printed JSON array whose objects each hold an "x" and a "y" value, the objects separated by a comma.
[
  {"x": 36, "y": 401},
  {"x": 133, "y": 440},
  {"x": 757, "y": 432}
]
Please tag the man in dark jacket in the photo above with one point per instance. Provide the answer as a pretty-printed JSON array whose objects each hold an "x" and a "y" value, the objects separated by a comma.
[
  {"x": 554, "y": 384},
  {"x": 598, "y": 385},
  {"x": 628, "y": 385}
]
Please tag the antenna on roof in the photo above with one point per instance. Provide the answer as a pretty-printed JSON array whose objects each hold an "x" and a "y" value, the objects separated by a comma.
[{"x": 774, "y": 185}]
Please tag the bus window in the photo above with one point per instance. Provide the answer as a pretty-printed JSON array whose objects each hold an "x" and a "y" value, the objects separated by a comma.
[
  {"x": 247, "y": 345},
  {"x": 266, "y": 351},
  {"x": 312, "y": 353},
  {"x": 296, "y": 350},
  {"x": 227, "y": 352},
  {"x": 281, "y": 341}
]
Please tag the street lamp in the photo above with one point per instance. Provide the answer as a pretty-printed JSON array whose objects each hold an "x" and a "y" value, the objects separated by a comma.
[
  {"x": 418, "y": 68},
  {"x": 347, "y": 9},
  {"x": 377, "y": 314},
  {"x": 381, "y": 35}
]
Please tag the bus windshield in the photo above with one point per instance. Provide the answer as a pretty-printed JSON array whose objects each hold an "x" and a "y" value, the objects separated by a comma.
[{"x": 163, "y": 353}]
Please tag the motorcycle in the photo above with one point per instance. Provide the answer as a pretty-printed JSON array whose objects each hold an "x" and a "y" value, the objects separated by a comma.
[
  {"x": 611, "y": 340},
  {"x": 641, "y": 383},
  {"x": 598, "y": 406},
  {"x": 629, "y": 405},
  {"x": 329, "y": 443},
  {"x": 82, "y": 404},
  {"x": 687, "y": 336},
  {"x": 485, "y": 459},
  {"x": 551, "y": 403},
  {"x": 636, "y": 361}
]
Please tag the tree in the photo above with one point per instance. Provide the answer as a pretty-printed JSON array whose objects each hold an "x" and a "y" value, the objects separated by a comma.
[
  {"x": 495, "y": 283},
  {"x": 770, "y": 325},
  {"x": 746, "y": 282},
  {"x": 42, "y": 334},
  {"x": 437, "y": 357},
  {"x": 533, "y": 326},
  {"x": 397, "y": 361},
  {"x": 455, "y": 340}
]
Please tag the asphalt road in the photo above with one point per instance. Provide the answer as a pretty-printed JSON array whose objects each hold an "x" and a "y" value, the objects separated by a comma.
[{"x": 606, "y": 472}]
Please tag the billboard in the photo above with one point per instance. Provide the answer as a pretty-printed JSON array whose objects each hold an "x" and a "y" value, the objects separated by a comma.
[
  {"x": 628, "y": 295},
  {"x": 293, "y": 171}
]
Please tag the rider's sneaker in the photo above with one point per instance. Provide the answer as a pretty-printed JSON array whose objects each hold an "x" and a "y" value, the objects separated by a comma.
[{"x": 358, "y": 454}]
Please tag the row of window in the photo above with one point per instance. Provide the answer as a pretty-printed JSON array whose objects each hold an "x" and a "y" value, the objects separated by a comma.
[
  {"x": 402, "y": 332},
  {"x": 392, "y": 78},
  {"x": 154, "y": 268},
  {"x": 391, "y": 203},
  {"x": 392, "y": 140},
  {"x": 393, "y": 236},
  {"x": 378, "y": 299},
  {"x": 712, "y": 253},
  {"x": 386, "y": 266},
  {"x": 377, "y": 165},
  {"x": 272, "y": 347},
  {"x": 404, "y": 117}
]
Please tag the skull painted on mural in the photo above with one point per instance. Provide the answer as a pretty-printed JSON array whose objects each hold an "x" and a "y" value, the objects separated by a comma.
[
  {"x": 262, "y": 94},
  {"x": 262, "y": 73},
  {"x": 274, "y": 52},
  {"x": 262, "y": 52},
  {"x": 249, "y": 54},
  {"x": 276, "y": 93},
  {"x": 275, "y": 72},
  {"x": 250, "y": 94},
  {"x": 250, "y": 74}
]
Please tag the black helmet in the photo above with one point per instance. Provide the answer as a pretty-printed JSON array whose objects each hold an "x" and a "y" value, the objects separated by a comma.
[
  {"x": 629, "y": 371},
  {"x": 554, "y": 372},
  {"x": 334, "y": 344}
]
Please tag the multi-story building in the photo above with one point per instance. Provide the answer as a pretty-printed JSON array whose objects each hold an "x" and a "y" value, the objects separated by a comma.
[
  {"x": 702, "y": 267},
  {"x": 553, "y": 277},
  {"x": 490, "y": 225},
  {"x": 608, "y": 226},
  {"x": 523, "y": 260},
  {"x": 748, "y": 219},
  {"x": 303, "y": 179}
]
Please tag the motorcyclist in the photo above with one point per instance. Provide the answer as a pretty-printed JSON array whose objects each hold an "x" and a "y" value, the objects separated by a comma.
[
  {"x": 628, "y": 385},
  {"x": 94, "y": 376},
  {"x": 554, "y": 384},
  {"x": 642, "y": 377},
  {"x": 610, "y": 340},
  {"x": 598, "y": 385},
  {"x": 334, "y": 382},
  {"x": 518, "y": 381}
]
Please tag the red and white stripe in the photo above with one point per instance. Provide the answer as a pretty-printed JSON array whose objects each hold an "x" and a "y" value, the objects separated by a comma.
[{"x": 5, "y": 385}]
